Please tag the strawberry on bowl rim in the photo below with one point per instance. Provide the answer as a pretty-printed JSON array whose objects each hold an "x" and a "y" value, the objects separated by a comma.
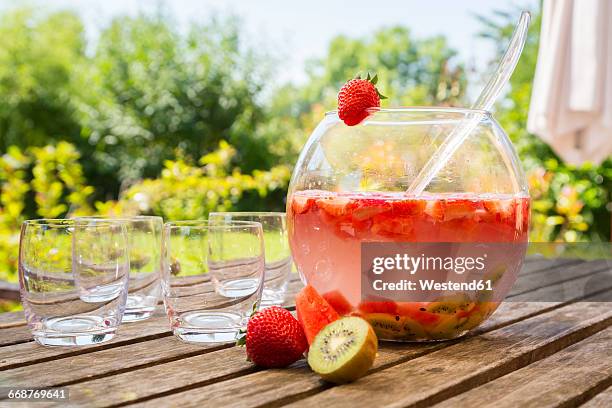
[{"x": 356, "y": 98}]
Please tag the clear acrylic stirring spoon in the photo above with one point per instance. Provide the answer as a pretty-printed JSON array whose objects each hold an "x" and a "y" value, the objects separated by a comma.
[{"x": 484, "y": 103}]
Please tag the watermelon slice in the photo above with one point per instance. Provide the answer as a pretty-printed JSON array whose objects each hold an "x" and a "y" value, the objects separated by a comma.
[
  {"x": 313, "y": 311},
  {"x": 381, "y": 305},
  {"x": 418, "y": 312},
  {"x": 338, "y": 302}
]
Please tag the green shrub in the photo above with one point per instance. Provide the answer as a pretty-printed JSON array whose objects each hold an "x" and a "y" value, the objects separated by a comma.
[
  {"x": 569, "y": 203},
  {"x": 187, "y": 191},
  {"x": 50, "y": 180}
]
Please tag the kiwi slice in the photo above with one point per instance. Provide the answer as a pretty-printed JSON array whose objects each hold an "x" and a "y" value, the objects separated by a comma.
[
  {"x": 473, "y": 320},
  {"x": 344, "y": 350},
  {"x": 394, "y": 327},
  {"x": 413, "y": 330},
  {"x": 446, "y": 329},
  {"x": 445, "y": 308},
  {"x": 482, "y": 312},
  {"x": 385, "y": 325},
  {"x": 452, "y": 304}
]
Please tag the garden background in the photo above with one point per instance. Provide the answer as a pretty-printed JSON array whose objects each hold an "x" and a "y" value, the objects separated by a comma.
[{"x": 149, "y": 120}]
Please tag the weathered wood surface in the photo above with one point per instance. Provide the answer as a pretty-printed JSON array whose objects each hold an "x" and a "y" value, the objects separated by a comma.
[
  {"x": 560, "y": 274},
  {"x": 9, "y": 291},
  {"x": 526, "y": 354},
  {"x": 572, "y": 375},
  {"x": 538, "y": 264},
  {"x": 11, "y": 319},
  {"x": 443, "y": 370},
  {"x": 602, "y": 400}
]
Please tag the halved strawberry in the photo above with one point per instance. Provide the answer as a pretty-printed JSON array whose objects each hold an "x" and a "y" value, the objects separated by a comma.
[
  {"x": 368, "y": 208},
  {"x": 301, "y": 204},
  {"x": 459, "y": 208},
  {"x": 334, "y": 206},
  {"x": 501, "y": 209},
  {"x": 393, "y": 226}
]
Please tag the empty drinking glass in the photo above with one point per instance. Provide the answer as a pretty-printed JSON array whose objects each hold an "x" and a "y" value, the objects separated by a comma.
[
  {"x": 212, "y": 278},
  {"x": 278, "y": 254},
  {"x": 144, "y": 239},
  {"x": 73, "y": 276}
]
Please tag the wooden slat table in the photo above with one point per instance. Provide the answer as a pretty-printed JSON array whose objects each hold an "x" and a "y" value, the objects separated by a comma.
[{"x": 527, "y": 354}]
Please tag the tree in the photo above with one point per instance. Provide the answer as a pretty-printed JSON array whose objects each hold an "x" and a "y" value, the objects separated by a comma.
[
  {"x": 146, "y": 95},
  {"x": 39, "y": 57},
  {"x": 411, "y": 71},
  {"x": 165, "y": 94},
  {"x": 513, "y": 109}
]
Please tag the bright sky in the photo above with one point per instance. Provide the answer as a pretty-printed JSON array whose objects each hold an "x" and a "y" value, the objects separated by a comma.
[{"x": 301, "y": 29}]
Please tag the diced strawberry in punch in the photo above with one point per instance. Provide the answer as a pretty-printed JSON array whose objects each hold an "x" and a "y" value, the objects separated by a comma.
[
  {"x": 335, "y": 212},
  {"x": 492, "y": 206},
  {"x": 408, "y": 207},
  {"x": 435, "y": 210},
  {"x": 373, "y": 216},
  {"x": 526, "y": 214}
]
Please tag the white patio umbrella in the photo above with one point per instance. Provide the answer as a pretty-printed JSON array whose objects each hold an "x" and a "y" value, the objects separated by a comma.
[{"x": 571, "y": 102}]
